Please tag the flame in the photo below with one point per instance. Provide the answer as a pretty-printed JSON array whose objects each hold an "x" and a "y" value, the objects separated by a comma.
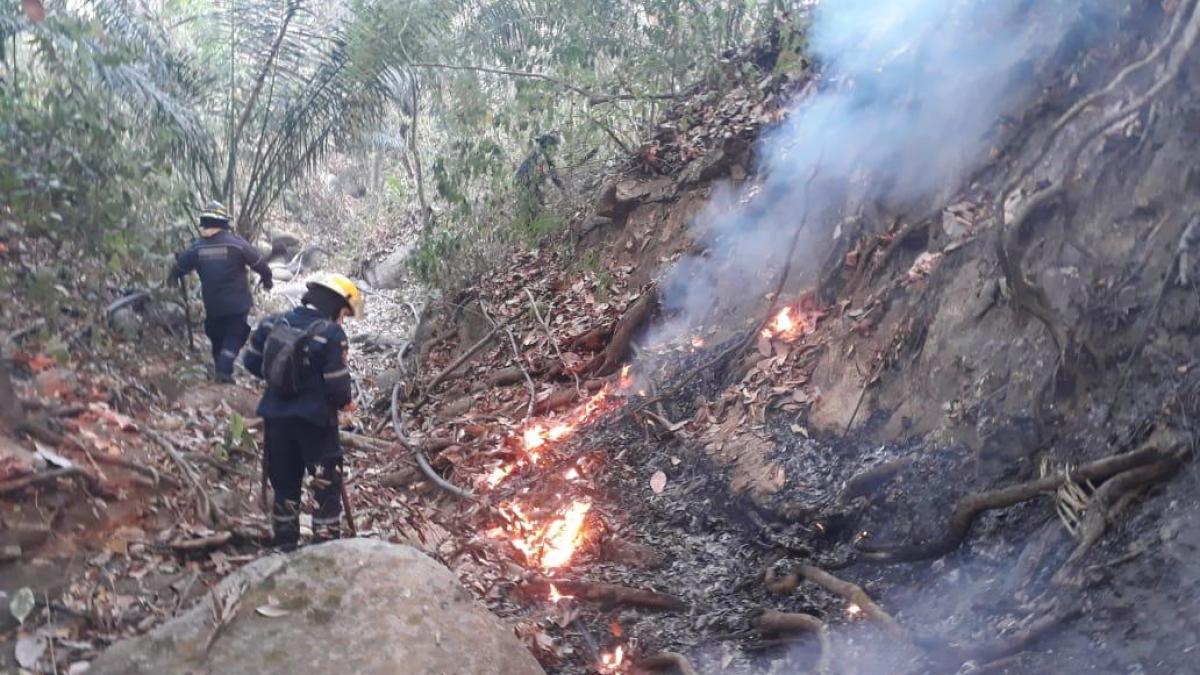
[
  {"x": 854, "y": 611},
  {"x": 697, "y": 342},
  {"x": 559, "y": 431},
  {"x": 626, "y": 380},
  {"x": 785, "y": 326},
  {"x": 612, "y": 662},
  {"x": 555, "y": 595},
  {"x": 534, "y": 437},
  {"x": 552, "y": 544},
  {"x": 571, "y": 474},
  {"x": 565, "y": 535}
]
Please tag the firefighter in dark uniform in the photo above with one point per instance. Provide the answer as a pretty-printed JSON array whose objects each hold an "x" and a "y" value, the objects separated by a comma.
[
  {"x": 302, "y": 428},
  {"x": 221, "y": 257}
]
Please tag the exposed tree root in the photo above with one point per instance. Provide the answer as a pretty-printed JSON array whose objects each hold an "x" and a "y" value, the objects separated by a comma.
[
  {"x": 988, "y": 652},
  {"x": 618, "y": 349},
  {"x": 867, "y": 482},
  {"x": 1026, "y": 294},
  {"x": 39, "y": 478},
  {"x": 557, "y": 400},
  {"x": 1111, "y": 498},
  {"x": 418, "y": 454},
  {"x": 457, "y": 363},
  {"x": 664, "y": 661},
  {"x": 772, "y": 621},
  {"x": 969, "y": 507},
  {"x": 853, "y": 593},
  {"x": 607, "y": 593}
]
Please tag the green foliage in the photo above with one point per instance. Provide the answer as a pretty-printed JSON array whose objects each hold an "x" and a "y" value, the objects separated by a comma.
[{"x": 96, "y": 135}]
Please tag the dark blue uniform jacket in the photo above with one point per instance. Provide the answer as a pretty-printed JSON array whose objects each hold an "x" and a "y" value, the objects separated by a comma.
[
  {"x": 221, "y": 260},
  {"x": 326, "y": 387}
]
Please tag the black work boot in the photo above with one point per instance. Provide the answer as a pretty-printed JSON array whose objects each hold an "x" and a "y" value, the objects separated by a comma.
[{"x": 285, "y": 525}]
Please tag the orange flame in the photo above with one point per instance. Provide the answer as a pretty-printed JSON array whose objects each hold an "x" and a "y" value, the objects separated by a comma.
[
  {"x": 552, "y": 544},
  {"x": 697, "y": 342},
  {"x": 564, "y": 536},
  {"x": 853, "y": 611},
  {"x": 571, "y": 474},
  {"x": 784, "y": 326}
]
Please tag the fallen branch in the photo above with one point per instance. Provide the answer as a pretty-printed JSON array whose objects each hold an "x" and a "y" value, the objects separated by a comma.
[
  {"x": 607, "y": 593},
  {"x": 663, "y": 661},
  {"x": 150, "y": 472},
  {"x": 968, "y": 508},
  {"x": 772, "y": 621}
]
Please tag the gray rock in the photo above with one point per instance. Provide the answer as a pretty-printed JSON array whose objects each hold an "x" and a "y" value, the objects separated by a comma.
[
  {"x": 351, "y": 606},
  {"x": 126, "y": 323},
  {"x": 390, "y": 271}
]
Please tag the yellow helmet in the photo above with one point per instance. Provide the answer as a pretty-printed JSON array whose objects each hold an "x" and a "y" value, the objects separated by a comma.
[{"x": 342, "y": 286}]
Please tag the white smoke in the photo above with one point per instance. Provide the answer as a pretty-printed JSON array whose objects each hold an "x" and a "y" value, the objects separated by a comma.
[{"x": 912, "y": 94}]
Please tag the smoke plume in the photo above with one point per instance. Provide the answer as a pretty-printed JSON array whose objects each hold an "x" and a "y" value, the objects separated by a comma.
[{"x": 911, "y": 95}]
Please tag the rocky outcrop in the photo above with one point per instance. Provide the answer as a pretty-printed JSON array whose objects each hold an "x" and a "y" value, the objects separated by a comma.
[{"x": 353, "y": 606}]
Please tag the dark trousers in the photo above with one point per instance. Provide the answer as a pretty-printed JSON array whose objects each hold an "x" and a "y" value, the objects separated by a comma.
[
  {"x": 227, "y": 334},
  {"x": 295, "y": 446}
]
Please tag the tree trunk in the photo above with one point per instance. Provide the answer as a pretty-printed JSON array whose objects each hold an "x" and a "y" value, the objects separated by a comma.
[
  {"x": 426, "y": 212},
  {"x": 12, "y": 416},
  {"x": 235, "y": 134}
]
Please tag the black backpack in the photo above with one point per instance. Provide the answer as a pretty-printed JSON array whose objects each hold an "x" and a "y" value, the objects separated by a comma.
[{"x": 285, "y": 356}]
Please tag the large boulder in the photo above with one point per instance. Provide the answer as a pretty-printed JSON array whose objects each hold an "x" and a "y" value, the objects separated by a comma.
[
  {"x": 351, "y": 606},
  {"x": 389, "y": 271}
]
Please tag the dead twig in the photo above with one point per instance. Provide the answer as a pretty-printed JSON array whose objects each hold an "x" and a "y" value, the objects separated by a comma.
[
  {"x": 550, "y": 338},
  {"x": 512, "y": 343},
  {"x": 208, "y": 510},
  {"x": 454, "y": 365}
]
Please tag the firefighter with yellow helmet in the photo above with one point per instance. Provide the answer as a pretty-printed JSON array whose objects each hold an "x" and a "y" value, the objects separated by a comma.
[{"x": 302, "y": 356}]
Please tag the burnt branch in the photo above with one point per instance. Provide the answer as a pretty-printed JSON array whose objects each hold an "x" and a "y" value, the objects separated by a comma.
[{"x": 611, "y": 594}]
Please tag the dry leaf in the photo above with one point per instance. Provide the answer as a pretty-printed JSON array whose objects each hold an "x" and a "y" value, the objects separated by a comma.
[
  {"x": 29, "y": 651},
  {"x": 272, "y": 611},
  {"x": 658, "y": 482}
]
